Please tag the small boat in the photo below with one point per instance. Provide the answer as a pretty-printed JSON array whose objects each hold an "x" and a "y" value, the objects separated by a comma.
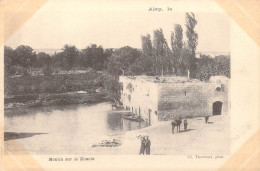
[{"x": 133, "y": 118}]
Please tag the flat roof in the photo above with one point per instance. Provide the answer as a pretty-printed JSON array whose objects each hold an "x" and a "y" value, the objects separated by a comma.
[{"x": 163, "y": 79}]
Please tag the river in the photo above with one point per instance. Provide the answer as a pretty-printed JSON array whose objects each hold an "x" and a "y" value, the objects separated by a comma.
[{"x": 63, "y": 130}]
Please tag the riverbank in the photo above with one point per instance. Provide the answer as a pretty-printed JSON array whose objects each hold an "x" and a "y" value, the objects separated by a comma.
[
  {"x": 46, "y": 99},
  {"x": 75, "y": 129},
  {"x": 58, "y": 90},
  {"x": 200, "y": 138}
]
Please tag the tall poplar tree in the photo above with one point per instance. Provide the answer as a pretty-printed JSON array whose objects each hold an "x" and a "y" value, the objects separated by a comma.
[
  {"x": 160, "y": 51},
  {"x": 176, "y": 44},
  {"x": 192, "y": 42}
]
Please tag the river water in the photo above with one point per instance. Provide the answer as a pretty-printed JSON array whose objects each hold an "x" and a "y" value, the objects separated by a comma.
[{"x": 70, "y": 129}]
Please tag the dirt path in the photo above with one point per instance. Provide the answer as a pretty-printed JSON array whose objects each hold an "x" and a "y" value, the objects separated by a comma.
[{"x": 200, "y": 138}]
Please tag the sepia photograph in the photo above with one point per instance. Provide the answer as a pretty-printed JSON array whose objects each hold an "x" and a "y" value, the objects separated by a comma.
[
  {"x": 129, "y": 85},
  {"x": 83, "y": 80}
]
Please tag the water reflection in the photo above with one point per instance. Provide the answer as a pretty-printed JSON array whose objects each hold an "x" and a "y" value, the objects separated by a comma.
[
  {"x": 132, "y": 125},
  {"x": 114, "y": 121},
  {"x": 117, "y": 122},
  {"x": 63, "y": 130},
  {"x": 95, "y": 119}
]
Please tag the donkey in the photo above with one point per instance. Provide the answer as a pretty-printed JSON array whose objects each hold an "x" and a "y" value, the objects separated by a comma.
[{"x": 176, "y": 122}]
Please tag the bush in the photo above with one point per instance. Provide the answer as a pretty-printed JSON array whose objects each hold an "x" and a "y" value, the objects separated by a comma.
[
  {"x": 207, "y": 67},
  {"x": 47, "y": 70},
  {"x": 112, "y": 86},
  {"x": 51, "y": 83}
]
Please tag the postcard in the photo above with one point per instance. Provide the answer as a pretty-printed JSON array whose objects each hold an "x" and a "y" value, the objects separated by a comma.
[{"x": 130, "y": 85}]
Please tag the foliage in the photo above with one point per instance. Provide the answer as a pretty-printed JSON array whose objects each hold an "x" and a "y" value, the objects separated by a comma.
[
  {"x": 58, "y": 60},
  {"x": 43, "y": 60},
  {"x": 47, "y": 70},
  {"x": 192, "y": 43},
  {"x": 156, "y": 58},
  {"x": 51, "y": 83},
  {"x": 107, "y": 54},
  {"x": 122, "y": 59},
  {"x": 191, "y": 34},
  {"x": 161, "y": 52},
  {"x": 94, "y": 57},
  {"x": 222, "y": 65},
  {"x": 70, "y": 53},
  {"x": 177, "y": 44},
  {"x": 187, "y": 60},
  {"x": 25, "y": 56},
  {"x": 9, "y": 60},
  {"x": 112, "y": 86},
  {"x": 18, "y": 61},
  {"x": 207, "y": 67},
  {"x": 146, "y": 62}
]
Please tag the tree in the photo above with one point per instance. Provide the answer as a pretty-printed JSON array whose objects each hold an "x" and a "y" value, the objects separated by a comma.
[
  {"x": 58, "y": 60},
  {"x": 160, "y": 51},
  {"x": 107, "y": 54},
  {"x": 112, "y": 87},
  {"x": 207, "y": 67},
  {"x": 85, "y": 58},
  {"x": 9, "y": 60},
  {"x": 25, "y": 56},
  {"x": 122, "y": 59},
  {"x": 93, "y": 56},
  {"x": 147, "y": 47},
  {"x": 43, "y": 59},
  {"x": 177, "y": 44},
  {"x": 70, "y": 53},
  {"x": 147, "y": 63},
  {"x": 192, "y": 37},
  {"x": 222, "y": 65},
  {"x": 186, "y": 60}
]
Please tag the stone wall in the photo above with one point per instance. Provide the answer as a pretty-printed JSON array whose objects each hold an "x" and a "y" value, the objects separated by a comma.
[
  {"x": 140, "y": 97},
  {"x": 192, "y": 99},
  {"x": 162, "y": 101}
]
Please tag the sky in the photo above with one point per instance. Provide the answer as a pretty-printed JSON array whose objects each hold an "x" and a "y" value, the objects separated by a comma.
[{"x": 114, "y": 25}]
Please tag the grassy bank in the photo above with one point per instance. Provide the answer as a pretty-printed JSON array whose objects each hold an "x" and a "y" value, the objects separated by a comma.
[
  {"x": 53, "y": 90},
  {"x": 52, "y": 84},
  {"x": 39, "y": 100}
]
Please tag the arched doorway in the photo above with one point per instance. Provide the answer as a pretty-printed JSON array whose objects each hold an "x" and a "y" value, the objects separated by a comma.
[{"x": 217, "y": 108}]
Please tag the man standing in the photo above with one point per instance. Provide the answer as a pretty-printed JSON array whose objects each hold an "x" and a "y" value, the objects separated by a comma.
[
  {"x": 173, "y": 125},
  {"x": 142, "y": 149},
  {"x": 185, "y": 124},
  {"x": 147, "y": 145},
  {"x": 206, "y": 119}
]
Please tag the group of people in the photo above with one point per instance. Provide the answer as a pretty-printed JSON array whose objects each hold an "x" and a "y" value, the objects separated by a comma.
[
  {"x": 178, "y": 118},
  {"x": 145, "y": 145}
]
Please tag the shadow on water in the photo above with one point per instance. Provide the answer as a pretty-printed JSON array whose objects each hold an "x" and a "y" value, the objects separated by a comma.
[
  {"x": 117, "y": 122},
  {"x": 15, "y": 135},
  {"x": 187, "y": 130},
  {"x": 129, "y": 125}
]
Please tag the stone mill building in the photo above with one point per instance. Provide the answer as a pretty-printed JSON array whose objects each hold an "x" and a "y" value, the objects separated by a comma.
[{"x": 161, "y": 98}]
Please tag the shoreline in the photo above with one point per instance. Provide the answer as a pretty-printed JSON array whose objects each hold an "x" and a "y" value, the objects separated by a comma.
[{"x": 48, "y": 99}]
